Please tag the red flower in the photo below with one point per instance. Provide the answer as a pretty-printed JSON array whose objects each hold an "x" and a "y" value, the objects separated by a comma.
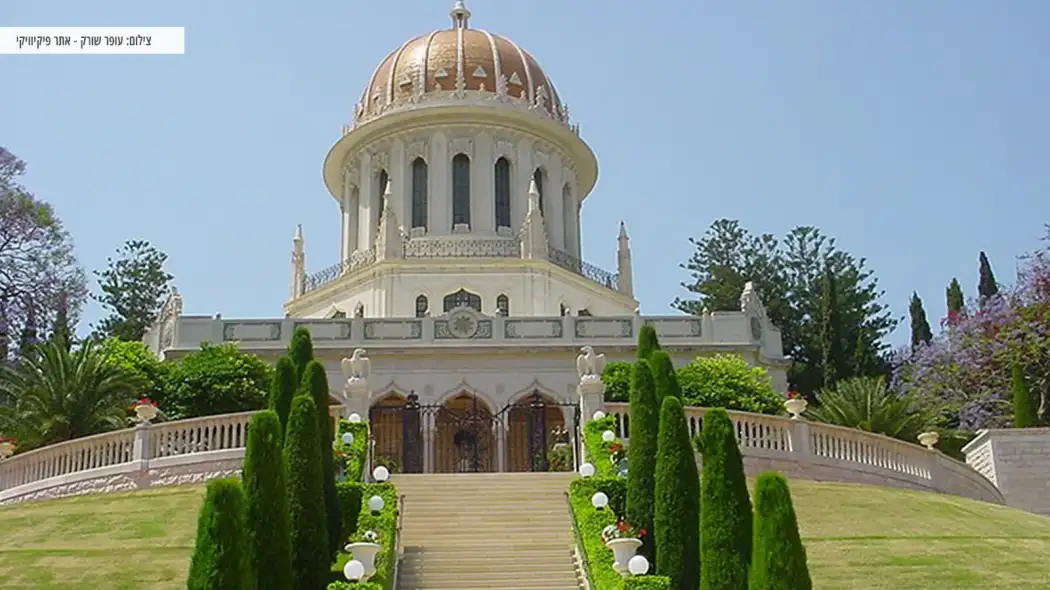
[
  {"x": 793, "y": 395},
  {"x": 641, "y": 533},
  {"x": 145, "y": 402}
]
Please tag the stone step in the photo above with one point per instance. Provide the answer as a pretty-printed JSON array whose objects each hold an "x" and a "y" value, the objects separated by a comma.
[{"x": 496, "y": 573}]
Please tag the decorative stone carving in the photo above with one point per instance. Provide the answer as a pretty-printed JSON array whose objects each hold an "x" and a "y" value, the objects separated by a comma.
[
  {"x": 503, "y": 149},
  {"x": 462, "y": 145},
  {"x": 750, "y": 303},
  {"x": 590, "y": 365},
  {"x": 380, "y": 160},
  {"x": 169, "y": 317},
  {"x": 357, "y": 368},
  {"x": 417, "y": 149}
]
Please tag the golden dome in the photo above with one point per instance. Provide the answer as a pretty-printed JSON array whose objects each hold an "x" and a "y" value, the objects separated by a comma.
[{"x": 459, "y": 63}]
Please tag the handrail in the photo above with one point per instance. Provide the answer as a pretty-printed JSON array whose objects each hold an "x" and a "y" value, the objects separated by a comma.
[
  {"x": 398, "y": 548},
  {"x": 581, "y": 549}
]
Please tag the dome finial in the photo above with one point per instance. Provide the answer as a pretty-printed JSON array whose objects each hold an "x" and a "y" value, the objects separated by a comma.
[{"x": 460, "y": 15}]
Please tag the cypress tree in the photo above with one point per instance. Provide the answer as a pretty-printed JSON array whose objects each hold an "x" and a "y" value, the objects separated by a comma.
[
  {"x": 779, "y": 559},
  {"x": 221, "y": 558},
  {"x": 315, "y": 384},
  {"x": 675, "y": 531},
  {"x": 641, "y": 451},
  {"x": 830, "y": 330},
  {"x": 302, "y": 460},
  {"x": 920, "y": 327},
  {"x": 300, "y": 351},
  {"x": 647, "y": 342},
  {"x": 861, "y": 363},
  {"x": 664, "y": 378},
  {"x": 266, "y": 488},
  {"x": 61, "y": 333},
  {"x": 725, "y": 520},
  {"x": 954, "y": 297},
  {"x": 1026, "y": 409},
  {"x": 282, "y": 390},
  {"x": 986, "y": 284}
]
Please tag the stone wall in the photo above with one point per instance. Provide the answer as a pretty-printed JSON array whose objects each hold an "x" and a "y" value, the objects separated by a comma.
[{"x": 1017, "y": 461}]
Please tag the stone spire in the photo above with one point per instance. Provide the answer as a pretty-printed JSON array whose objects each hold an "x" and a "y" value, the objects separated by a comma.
[
  {"x": 460, "y": 15},
  {"x": 533, "y": 232},
  {"x": 298, "y": 263},
  {"x": 623, "y": 263},
  {"x": 389, "y": 241}
]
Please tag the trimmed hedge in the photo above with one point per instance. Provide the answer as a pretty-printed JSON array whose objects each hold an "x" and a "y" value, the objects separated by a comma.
[
  {"x": 779, "y": 561},
  {"x": 315, "y": 384},
  {"x": 729, "y": 381},
  {"x": 349, "y": 495},
  {"x": 386, "y": 525},
  {"x": 677, "y": 518},
  {"x": 591, "y": 522},
  {"x": 641, "y": 454},
  {"x": 282, "y": 390},
  {"x": 358, "y": 586},
  {"x": 648, "y": 343},
  {"x": 221, "y": 558},
  {"x": 725, "y": 521},
  {"x": 300, "y": 351},
  {"x": 351, "y": 458},
  {"x": 617, "y": 379},
  {"x": 265, "y": 486},
  {"x": 664, "y": 378},
  {"x": 302, "y": 458},
  {"x": 647, "y": 583},
  {"x": 1026, "y": 406},
  {"x": 596, "y": 449}
]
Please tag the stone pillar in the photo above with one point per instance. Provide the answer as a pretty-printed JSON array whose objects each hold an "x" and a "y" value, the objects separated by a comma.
[{"x": 356, "y": 370}]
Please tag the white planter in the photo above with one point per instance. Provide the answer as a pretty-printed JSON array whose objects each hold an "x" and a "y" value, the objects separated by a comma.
[
  {"x": 366, "y": 554},
  {"x": 146, "y": 412},
  {"x": 928, "y": 439},
  {"x": 6, "y": 450},
  {"x": 795, "y": 407},
  {"x": 623, "y": 550}
]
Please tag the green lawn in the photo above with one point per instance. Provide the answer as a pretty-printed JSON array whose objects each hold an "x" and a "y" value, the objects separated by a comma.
[{"x": 857, "y": 537}]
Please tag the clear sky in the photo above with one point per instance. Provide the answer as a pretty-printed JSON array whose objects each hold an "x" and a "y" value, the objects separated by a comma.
[{"x": 914, "y": 132}]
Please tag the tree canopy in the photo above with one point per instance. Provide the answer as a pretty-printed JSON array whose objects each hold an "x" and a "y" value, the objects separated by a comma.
[{"x": 133, "y": 287}]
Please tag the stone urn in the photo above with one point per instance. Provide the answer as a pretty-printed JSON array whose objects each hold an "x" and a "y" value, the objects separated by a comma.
[
  {"x": 929, "y": 439},
  {"x": 366, "y": 554},
  {"x": 795, "y": 406},
  {"x": 623, "y": 550},
  {"x": 7, "y": 448},
  {"x": 146, "y": 412}
]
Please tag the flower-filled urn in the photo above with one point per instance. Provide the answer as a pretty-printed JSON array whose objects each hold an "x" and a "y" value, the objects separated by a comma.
[
  {"x": 795, "y": 404},
  {"x": 364, "y": 550},
  {"x": 624, "y": 540},
  {"x": 146, "y": 410},
  {"x": 7, "y": 447}
]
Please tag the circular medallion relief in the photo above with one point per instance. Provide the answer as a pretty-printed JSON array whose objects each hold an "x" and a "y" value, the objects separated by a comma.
[{"x": 463, "y": 324}]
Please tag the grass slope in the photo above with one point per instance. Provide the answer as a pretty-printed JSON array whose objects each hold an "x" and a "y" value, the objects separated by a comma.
[{"x": 857, "y": 537}]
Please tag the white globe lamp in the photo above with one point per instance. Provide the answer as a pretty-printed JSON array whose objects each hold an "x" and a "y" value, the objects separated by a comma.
[
  {"x": 354, "y": 418},
  {"x": 599, "y": 500},
  {"x": 638, "y": 565},
  {"x": 608, "y": 436},
  {"x": 376, "y": 504},
  {"x": 348, "y": 438},
  {"x": 598, "y": 415},
  {"x": 354, "y": 570},
  {"x": 381, "y": 474},
  {"x": 586, "y": 470}
]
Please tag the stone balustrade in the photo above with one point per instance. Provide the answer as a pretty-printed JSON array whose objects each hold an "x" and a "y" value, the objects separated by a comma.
[
  {"x": 823, "y": 452},
  {"x": 147, "y": 455}
]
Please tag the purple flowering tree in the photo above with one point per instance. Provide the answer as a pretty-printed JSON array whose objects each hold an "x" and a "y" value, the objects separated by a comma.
[{"x": 965, "y": 371}]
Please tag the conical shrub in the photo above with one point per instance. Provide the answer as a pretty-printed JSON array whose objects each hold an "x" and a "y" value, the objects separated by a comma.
[
  {"x": 1026, "y": 408},
  {"x": 641, "y": 451},
  {"x": 664, "y": 377},
  {"x": 779, "y": 559},
  {"x": 315, "y": 383},
  {"x": 266, "y": 488},
  {"x": 647, "y": 342},
  {"x": 725, "y": 521},
  {"x": 309, "y": 530},
  {"x": 676, "y": 523},
  {"x": 221, "y": 559},
  {"x": 282, "y": 390},
  {"x": 300, "y": 351}
]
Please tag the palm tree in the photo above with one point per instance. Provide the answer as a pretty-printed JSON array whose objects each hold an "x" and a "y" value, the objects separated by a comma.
[
  {"x": 865, "y": 403},
  {"x": 58, "y": 394}
]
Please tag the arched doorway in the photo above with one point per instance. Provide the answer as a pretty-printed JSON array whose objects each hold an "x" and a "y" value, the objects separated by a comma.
[
  {"x": 536, "y": 425},
  {"x": 386, "y": 419},
  {"x": 463, "y": 436}
]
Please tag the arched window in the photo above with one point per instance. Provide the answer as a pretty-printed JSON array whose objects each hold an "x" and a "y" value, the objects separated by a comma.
[
  {"x": 538, "y": 177},
  {"x": 419, "y": 193},
  {"x": 422, "y": 305},
  {"x": 503, "y": 305},
  {"x": 462, "y": 298},
  {"x": 384, "y": 178},
  {"x": 502, "y": 193},
  {"x": 460, "y": 190}
]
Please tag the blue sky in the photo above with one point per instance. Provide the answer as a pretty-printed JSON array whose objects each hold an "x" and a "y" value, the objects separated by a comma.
[{"x": 914, "y": 132}]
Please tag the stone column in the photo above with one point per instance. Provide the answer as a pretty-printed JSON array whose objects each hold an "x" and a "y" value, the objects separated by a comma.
[{"x": 500, "y": 430}]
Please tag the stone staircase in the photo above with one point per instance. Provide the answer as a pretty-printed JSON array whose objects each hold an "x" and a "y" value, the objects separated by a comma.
[{"x": 510, "y": 531}]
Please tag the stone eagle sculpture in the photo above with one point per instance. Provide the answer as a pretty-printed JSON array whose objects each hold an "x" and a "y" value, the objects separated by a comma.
[
  {"x": 590, "y": 364},
  {"x": 358, "y": 367}
]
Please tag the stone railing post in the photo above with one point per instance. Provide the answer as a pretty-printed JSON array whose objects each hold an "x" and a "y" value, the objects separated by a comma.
[
  {"x": 140, "y": 450},
  {"x": 800, "y": 438}
]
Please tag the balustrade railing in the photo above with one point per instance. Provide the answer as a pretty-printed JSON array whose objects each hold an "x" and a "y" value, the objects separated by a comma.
[
  {"x": 359, "y": 259},
  {"x": 131, "y": 448},
  {"x": 571, "y": 263}
]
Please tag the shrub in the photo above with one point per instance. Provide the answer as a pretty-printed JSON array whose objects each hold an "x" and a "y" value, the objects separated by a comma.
[
  {"x": 664, "y": 378},
  {"x": 596, "y": 449},
  {"x": 647, "y": 583},
  {"x": 641, "y": 452},
  {"x": 385, "y": 523},
  {"x": 728, "y": 381},
  {"x": 725, "y": 519},
  {"x": 590, "y": 523},
  {"x": 349, "y": 495},
  {"x": 282, "y": 390},
  {"x": 867, "y": 404},
  {"x": 647, "y": 342},
  {"x": 302, "y": 458},
  {"x": 265, "y": 487},
  {"x": 217, "y": 380},
  {"x": 779, "y": 559},
  {"x": 676, "y": 522},
  {"x": 315, "y": 384},
  {"x": 350, "y": 459},
  {"x": 617, "y": 379},
  {"x": 221, "y": 559},
  {"x": 136, "y": 359},
  {"x": 1026, "y": 407},
  {"x": 300, "y": 351}
]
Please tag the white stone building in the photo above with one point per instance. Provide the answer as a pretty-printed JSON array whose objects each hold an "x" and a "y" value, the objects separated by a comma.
[{"x": 460, "y": 185}]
